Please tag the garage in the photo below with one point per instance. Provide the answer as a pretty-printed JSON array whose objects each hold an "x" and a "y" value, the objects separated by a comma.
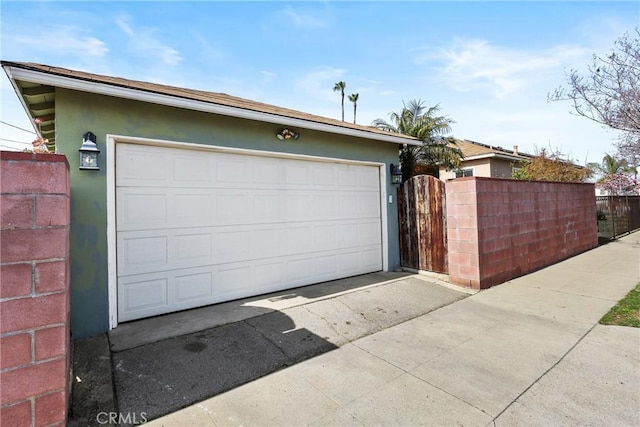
[
  {"x": 198, "y": 197},
  {"x": 201, "y": 225}
]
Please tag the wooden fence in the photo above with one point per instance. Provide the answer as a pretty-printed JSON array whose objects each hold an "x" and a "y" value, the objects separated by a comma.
[{"x": 423, "y": 224}]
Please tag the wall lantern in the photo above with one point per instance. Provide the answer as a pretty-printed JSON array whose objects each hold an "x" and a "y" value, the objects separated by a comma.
[
  {"x": 396, "y": 174},
  {"x": 89, "y": 152},
  {"x": 286, "y": 135}
]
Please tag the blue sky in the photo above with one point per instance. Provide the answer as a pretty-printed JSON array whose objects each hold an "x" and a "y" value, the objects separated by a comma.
[{"x": 489, "y": 65}]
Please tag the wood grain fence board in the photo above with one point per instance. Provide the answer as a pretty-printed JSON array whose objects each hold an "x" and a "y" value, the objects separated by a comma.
[{"x": 423, "y": 235}]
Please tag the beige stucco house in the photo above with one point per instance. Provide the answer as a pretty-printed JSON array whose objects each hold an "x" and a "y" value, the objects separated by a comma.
[{"x": 485, "y": 160}]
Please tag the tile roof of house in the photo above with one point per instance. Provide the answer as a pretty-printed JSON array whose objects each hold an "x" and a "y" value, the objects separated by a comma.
[{"x": 219, "y": 99}]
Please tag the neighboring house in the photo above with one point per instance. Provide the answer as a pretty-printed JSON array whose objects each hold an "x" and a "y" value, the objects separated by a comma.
[
  {"x": 202, "y": 197},
  {"x": 485, "y": 160}
]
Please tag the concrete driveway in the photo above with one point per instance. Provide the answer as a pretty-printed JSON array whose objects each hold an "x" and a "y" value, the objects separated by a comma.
[
  {"x": 527, "y": 352},
  {"x": 162, "y": 364}
]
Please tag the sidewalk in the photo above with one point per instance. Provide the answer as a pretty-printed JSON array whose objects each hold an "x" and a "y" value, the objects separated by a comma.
[{"x": 528, "y": 352}]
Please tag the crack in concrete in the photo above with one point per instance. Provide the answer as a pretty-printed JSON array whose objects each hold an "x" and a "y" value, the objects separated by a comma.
[
  {"x": 208, "y": 412},
  {"x": 286, "y": 358},
  {"x": 364, "y": 316},
  {"x": 544, "y": 373},
  {"x": 331, "y": 325}
]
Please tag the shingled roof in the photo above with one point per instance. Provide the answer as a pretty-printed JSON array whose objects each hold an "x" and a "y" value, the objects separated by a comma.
[
  {"x": 476, "y": 150},
  {"x": 35, "y": 85}
]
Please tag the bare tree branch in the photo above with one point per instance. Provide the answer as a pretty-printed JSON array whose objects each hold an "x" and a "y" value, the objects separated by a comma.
[{"x": 609, "y": 93}]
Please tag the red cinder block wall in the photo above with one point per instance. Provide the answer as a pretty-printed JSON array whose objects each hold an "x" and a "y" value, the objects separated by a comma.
[
  {"x": 34, "y": 289},
  {"x": 499, "y": 229}
]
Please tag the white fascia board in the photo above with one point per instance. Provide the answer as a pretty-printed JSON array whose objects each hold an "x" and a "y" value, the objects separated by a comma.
[
  {"x": 490, "y": 155},
  {"x": 22, "y": 100},
  {"x": 189, "y": 104}
]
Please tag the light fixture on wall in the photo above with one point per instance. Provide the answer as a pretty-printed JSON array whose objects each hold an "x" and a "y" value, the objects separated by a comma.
[
  {"x": 396, "y": 174},
  {"x": 286, "y": 134},
  {"x": 89, "y": 152}
]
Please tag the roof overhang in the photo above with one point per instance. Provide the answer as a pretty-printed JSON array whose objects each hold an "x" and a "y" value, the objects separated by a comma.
[
  {"x": 495, "y": 156},
  {"x": 19, "y": 74}
]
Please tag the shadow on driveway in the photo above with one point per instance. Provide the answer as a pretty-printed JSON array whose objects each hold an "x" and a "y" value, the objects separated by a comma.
[
  {"x": 146, "y": 380},
  {"x": 165, "y": 376}
]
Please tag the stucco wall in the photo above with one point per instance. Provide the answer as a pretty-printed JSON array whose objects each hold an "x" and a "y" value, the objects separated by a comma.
[
  {"x": 499, "y": 229},
  {"x": 78, "y": 112},
  {"x": 489, "y": 167},
  {"x": 34, "y": 297},
  {"x": 481, "y": 167}
]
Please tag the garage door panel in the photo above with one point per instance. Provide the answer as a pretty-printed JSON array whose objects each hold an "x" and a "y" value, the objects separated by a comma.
[
  {"x": 142, "y": 209},
  {"x": 350, "y": 262},
  {"x": 369, "y": 233},
  {"x": 299, "y": 239},
  {"x": 188, "y": 210},
  {"x": 231, "y": 278},
  {"x": 233, "y": 208},
  {"x": 370, "y": 259},
  {"x": 325, "y": 266},
  {"x": 192, "y": 169},
  {"x": 232, "y": 169},
  {"x": 348, "y": 177},
  {"x": 269, "y": 206},
  {"x": 299, "y": 270},
  {"x": 297, "y": 174},
  {"x": 368, "y": 206},
  {"x": 218, "y": 226},
  {"x": 144, "y": 295},
  {"x": 267, "y": 243},
  {"x": 194, "y": 247},
  {"x": 231, "y": 246},
  {"x": 268, "y": 275},
  {"x": 155, "y": 250},
  {"x": 323, "y": 206},
  {"x": 297, "y": 207},
  {"x": 368, "y": 178},
  {"x": 194, "y": 286},
  {"x": 138, "y": 166},
  {"x": 267, "y": 171},
  {"x": 143, "y": 253},
  {"x": 323, "y": 175},
  {"x": 325, "y": 237}
]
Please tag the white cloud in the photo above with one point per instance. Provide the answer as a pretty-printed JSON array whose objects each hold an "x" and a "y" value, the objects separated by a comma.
[
  {"x": 477, "y": 65},
  {"x": 304, "y": 20},
  {"x": 144, "y": 40},
  {"x": 209, "y": 53},
  {"x": 268, "y": 76},
  {"x": 498, "y": 95},
  {"x": 68, "y": 40},
  {"x": 319, "y": 83}
]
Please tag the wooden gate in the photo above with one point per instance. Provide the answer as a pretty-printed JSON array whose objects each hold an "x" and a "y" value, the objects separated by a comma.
[{"x": 423, "y": 224}]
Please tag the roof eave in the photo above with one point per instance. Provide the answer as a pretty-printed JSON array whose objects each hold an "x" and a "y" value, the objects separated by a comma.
[
  {"x": 16, "y": 73},
  {"x": 23, "y": 101},
  {"x": 494, "y": 155}
]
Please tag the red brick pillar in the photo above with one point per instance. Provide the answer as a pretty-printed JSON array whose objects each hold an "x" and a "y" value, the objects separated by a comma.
[{"x": 34, "y": 289}]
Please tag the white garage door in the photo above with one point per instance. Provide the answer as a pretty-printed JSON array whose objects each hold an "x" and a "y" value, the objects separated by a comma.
[{"x": 200, "y": 227}]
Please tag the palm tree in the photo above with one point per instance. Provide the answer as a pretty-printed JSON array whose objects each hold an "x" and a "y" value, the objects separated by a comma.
[
  {"x": 339, "y": 87},
  {"x": 354, "y": 98},
  {"x": 421, "y": 122},
  {"x": 610, "y": 165},
  {"x": 614, "y": 172}
]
